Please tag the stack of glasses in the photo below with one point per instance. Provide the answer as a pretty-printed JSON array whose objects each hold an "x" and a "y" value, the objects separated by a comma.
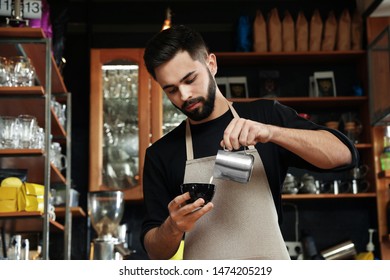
[{"x": 16, "y": 71}]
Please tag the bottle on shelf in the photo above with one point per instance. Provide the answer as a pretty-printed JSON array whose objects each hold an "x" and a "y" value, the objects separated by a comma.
[
  {"x": 388, "y": 211},
  {"x": 385, "y": 155}
]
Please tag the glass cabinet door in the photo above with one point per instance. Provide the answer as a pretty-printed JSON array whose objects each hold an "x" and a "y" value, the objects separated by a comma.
[
  {"x": 119, "y": 120},
  {"x": 120, "y": 125},
  {"x": 172, "y": 116},
  {"x": 164, "y": 115}
]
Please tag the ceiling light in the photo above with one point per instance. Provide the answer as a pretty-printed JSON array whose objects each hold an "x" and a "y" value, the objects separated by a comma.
[{"x": 167, "y": 21}]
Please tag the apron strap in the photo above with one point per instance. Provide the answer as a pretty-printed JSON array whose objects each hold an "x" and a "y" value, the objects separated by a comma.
[
  {"x": 189, "y": 149},
  {"x": 237, "y": 116}
]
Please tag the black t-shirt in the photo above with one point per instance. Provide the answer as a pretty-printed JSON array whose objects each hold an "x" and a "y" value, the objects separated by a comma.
[{"x": 165, "y": 159}]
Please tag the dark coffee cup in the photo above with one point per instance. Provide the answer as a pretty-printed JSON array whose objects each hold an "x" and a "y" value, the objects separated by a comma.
[{"x": 198, "y": 190}]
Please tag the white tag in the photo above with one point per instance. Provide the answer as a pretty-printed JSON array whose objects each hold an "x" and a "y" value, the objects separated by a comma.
[
  {"x": 30, "y": 8},
  {"x": 5, "y": 7}
]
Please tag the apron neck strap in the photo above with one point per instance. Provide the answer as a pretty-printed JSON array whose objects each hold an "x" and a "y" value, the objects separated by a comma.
[
  {"x": 189, "y": 147},
  {"x": 235, "y": 115}
]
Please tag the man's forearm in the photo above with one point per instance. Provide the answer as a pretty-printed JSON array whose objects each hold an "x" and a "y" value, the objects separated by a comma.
[{"x": 321, "y": 148}]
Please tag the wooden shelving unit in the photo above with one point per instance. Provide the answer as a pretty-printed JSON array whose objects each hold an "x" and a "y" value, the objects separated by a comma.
[
  {"x": 36, "y": 101},
  {"x": 254, "y": 58},
  {"x": 26, "y": 222},
  {"x": 328, "y": 196},
  {"x": 76, "y": 212}
]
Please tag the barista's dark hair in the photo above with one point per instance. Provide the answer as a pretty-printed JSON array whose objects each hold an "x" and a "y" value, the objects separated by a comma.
[{"x": 163, "y": 46}]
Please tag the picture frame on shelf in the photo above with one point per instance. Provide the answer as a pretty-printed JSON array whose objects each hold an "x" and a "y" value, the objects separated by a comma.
[
  {"x": 312, "y": 87},
  {"x": 233, "y": 87},
  {"x": 269, "y": 83},
  {"x": 238, "y": 87},
  {"x": 324, "y": 84},
  {"x": 223, "y": 85}
]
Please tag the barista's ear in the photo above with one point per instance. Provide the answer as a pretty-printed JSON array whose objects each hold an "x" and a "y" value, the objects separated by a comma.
[{"x": 212, "y": 63}]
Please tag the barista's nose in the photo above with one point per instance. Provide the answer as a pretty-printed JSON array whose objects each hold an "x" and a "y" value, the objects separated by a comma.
[{"x": 185, "y": 92}]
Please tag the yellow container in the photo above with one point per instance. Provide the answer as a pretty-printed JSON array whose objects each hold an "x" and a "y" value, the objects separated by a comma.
[
  {"x": 8, "y": 199},
  {"x": 31, "y": 197}
]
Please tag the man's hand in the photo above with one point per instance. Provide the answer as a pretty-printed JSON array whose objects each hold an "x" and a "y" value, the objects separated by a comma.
[
  {"x": 163, "y": 241},
  {"x": 182, "y": 216},
  {"x": 243, "y": 132}
]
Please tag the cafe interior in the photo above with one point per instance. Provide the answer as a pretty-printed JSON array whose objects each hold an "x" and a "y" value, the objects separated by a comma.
[{"x": 104, "y": 110}]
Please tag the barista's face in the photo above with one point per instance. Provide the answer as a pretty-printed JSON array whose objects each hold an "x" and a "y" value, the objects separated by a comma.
[{"x": 189, "y": 85}]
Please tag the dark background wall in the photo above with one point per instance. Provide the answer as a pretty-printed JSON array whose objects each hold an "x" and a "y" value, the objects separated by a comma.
[{"x": 84, "y": 24}]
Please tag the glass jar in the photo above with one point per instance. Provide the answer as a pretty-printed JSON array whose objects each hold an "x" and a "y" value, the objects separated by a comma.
[
  {"x": 386, "y": 138},
  {"x": 385, "y": 159},
  {"x": 388, "y": 211}
]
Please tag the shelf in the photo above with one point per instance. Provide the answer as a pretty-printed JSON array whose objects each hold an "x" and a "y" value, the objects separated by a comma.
[
  {"x": 314, "y": 102},
  {"x": 75, "y": 211},
  {"x": 33, "y": 161},
  {"x": 26, "y": 222},
  {"x": 327, "y": 196},
  {"x": 22, "y": 91},
  {"x": 32, "y": 221},
  {"x": 254, "y": 58},
  {"x": 56, "y": 128},
  {"x": 20, "y": 152},
  {"x": 57, "y": 176},
  {"x": 34, "y": 51},
  {"x": 384, "y": 174},
  {"x": 33, "y": 107},
  {"x": 362, "y": 146},
  {"x": 21, "y": 32}
]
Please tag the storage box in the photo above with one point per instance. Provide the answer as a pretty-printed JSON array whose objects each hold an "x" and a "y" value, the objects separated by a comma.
[
  {"x": 60, "y": 197},
  {"x": 8, "y": 199},
  {"x": 31, "y": 197}
]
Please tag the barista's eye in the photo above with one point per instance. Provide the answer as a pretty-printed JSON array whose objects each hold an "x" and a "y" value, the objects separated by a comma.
[
  {"x": 190, "y": 80},
  {"x": 172, "y": 90}
]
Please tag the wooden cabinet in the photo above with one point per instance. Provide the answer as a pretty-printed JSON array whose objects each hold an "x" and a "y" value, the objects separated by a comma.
[
  {"x": 120, "y": 111},
  {"x": 379, "y": 61},
  {"x": 36, "y": 101},
  {"x": 383, "y": 194},
  {"x": 126, "y": 104}
]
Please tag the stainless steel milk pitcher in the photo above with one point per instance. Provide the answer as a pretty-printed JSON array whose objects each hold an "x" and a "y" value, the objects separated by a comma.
[{"x": 235, "y": 166}]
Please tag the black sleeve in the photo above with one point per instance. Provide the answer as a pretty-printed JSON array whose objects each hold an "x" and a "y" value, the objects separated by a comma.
[
  {"x": 156, "y": 196},
  {"x": 163, "y": 173}
]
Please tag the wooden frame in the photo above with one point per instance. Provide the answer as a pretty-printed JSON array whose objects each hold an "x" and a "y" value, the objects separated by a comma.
[
  {"x": 233, "y": 87},
  {"x": 98, "y": 58},
  {"x": 325, "y": 85}
]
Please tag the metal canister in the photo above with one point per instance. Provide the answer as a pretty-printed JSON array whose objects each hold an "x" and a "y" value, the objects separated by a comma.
[{"x": 342, "y": 251}]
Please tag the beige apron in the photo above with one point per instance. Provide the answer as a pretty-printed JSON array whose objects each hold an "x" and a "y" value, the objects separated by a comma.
[{"x": 243, "y": 223}]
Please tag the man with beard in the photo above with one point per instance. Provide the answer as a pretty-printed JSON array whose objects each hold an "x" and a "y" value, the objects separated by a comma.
[{"x": 241, "y": 222}]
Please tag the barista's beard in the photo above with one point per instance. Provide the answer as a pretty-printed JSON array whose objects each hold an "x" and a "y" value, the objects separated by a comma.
[{"x": 204, "y": 111}]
